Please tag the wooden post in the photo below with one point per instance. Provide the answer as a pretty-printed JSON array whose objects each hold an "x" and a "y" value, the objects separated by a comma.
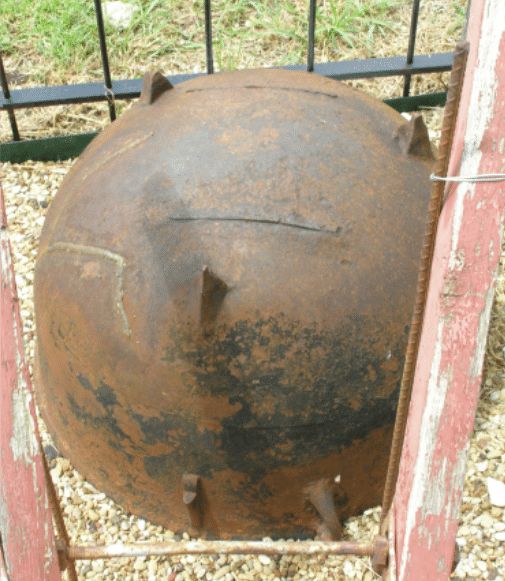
[
  {"x": 426, "y": 508},
  {"x": 27, "y": 542}
]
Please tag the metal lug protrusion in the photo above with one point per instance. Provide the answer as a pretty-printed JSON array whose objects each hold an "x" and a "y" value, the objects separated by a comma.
[
  {"x": 211, "y": 299},
  {"x": 321, "y": 495},
  {"x": 414, "y": 139},
  {"x": 190, "y": 486},
  {"x": 191, "y": 498},
  {"x": 153, "y": 85},
  {"x": 380, "y": 554}
]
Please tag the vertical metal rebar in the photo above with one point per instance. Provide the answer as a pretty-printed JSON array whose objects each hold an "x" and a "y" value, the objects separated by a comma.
[
  {"x": 412, "y": 43},
  {"x": 59, "y": 522},
  {"x": 435, "y": 207},
  {"x": 311, "y": 39},
  {"x": 208, "y": 38},
  {"x": 105, "y": 60},
  {"x": 7, "y": 94}
]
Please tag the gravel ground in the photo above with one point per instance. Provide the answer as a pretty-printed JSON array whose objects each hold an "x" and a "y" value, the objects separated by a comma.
[{"x": 92, "y": 518}]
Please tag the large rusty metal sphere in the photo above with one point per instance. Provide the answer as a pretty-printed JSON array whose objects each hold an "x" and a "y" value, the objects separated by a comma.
[{"x": 223, "y": 293}]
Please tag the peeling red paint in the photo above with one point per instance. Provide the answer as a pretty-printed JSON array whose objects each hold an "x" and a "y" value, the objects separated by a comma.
[
  {"x": 448, "y": 373},
  {"x": 25, "y": 520}
]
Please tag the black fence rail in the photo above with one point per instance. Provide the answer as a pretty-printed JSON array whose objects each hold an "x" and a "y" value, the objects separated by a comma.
[{"x": 53, "y": 148}]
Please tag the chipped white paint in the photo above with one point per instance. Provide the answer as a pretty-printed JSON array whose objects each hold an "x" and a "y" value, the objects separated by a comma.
[
  {"x": 427, "y": 437},
  {"x": 107, "y": 255},
  {"x": 480, "y": 110},
  {"x": 5, "y": 257},
  {"x": 484, "y": 316},
  {"x": 23, "y": 441}
]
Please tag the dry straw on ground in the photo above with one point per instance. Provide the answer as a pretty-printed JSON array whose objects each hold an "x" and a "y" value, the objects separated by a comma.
[{"x": 91, "y": 517}]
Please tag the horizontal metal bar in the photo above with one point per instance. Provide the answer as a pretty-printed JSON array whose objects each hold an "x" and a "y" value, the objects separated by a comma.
[
  {"x": 130, "y": 89},
  {"x": 61, "y": 148},
  {"x": 417, "y": 102},
  {"x": 221, "y": 548},
  {"x": 46, "y": 149}
]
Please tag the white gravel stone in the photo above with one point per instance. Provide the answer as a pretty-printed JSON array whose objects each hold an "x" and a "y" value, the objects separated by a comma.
[
  {"x": 222, "y": 572},
  {"x": 496, "y": 490},
  {"x": 486, "y": 521},
  {"x": 481, "y": 565},
  {"x": 141, "y": 523}
]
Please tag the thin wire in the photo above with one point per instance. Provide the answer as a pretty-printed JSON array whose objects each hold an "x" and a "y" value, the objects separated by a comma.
[{"x": 489, "y": 177}]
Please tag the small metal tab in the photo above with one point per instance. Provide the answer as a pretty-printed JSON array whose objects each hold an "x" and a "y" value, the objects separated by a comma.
[
  {"x": 321, "y": 495},
  {"x": 191, "y": 498},
  {"x": 211, "y": 299},
  {"x": 414, "y": 139},
  {"x": 154, "y": 85},
  {"x": 190, "y": 484}
]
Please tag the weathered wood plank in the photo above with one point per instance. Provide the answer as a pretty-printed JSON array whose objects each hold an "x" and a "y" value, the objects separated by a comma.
[
  {"x": 448, "y": 372},
  {"x": 25, "y": 521}
]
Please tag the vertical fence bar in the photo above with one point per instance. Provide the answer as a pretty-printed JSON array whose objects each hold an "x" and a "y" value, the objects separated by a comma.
[
  {"x": 208, "y": 38},
  {"x": 105, "y": 60},
  {"x": 7, "y": 94},
  {"x": 311, "y": 40},
  {"x": 412, "y": 42}
]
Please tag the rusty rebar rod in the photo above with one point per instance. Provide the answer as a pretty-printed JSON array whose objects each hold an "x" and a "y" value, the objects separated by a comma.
[
  {"x": 221, "y": 548},
  {"x": 435, "y": 208},
  {"x": 64, "y": 540}
]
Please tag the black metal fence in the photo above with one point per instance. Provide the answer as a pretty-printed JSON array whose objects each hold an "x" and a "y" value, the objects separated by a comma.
[{"x": 53, "y": 148}]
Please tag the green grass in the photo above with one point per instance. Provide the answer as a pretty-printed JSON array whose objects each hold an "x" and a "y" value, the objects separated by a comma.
[{"x": 63, "y": 33}]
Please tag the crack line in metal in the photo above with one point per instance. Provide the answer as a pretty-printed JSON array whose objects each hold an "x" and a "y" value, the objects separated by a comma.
[
  {"x": 256, "y": 221},
  {"x": 298, "y": 90},
  {"x": 116, "y": 153},
  {"x": 107, "y": 255}
]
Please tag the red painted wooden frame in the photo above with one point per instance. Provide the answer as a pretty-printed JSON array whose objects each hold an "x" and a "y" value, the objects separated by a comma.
[
  {"x": 27, "y": 540},
  {"x": 426, "y": 508}
]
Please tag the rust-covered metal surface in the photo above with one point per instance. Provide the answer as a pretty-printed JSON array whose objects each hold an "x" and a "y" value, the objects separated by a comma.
[{"x": 223, "y": 292}]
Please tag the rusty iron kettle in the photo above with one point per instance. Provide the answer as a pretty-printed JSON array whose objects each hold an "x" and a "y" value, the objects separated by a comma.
[{"x": 223, "y": 293}]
